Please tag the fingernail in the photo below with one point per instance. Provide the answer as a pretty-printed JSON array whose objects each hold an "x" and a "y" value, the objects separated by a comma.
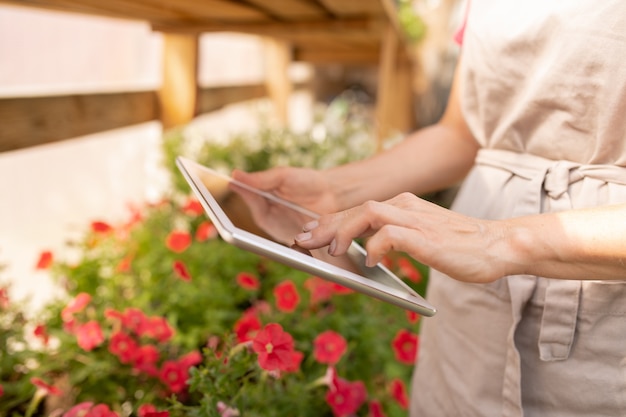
[
  {"x": 332, "y": 247},
  {"x": 301, "y": 237},
  {"x": 310, "y": 226}
]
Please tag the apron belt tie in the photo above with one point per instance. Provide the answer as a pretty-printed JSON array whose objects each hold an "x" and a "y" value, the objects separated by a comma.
[{"x": 551, "y": 180}]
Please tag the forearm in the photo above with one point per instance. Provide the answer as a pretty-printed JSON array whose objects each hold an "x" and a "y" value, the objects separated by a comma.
[
  {"x": 430, "y": 159},
  {"x": 577, "y": 244}
]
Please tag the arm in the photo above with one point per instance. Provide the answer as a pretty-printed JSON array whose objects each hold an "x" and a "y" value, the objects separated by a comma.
[
  {"x": 576, "y": 244},
  {"x": 430, "y": 159}
]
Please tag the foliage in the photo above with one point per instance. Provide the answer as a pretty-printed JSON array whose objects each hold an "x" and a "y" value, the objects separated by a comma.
[{"x": 163, "y": 318}]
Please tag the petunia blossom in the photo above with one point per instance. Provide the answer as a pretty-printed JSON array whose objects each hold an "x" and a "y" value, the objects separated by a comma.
[
  {"x": 4, "y": 298},
  {"x": 193, "y": 207},
  {"x": 149, "y": 410},
  {"x": 405, "y": 345},
  {"x": 178, "y": 241},
  {"x": 45, "y": 260},
  {"x": 77, "y": 305},
  {"x": 174, "y": 375},
  {"x": 274, "y": 347},
  {"x": 347, "y": 397},
  {"x": 101, "y": 410},
  {"x": 101, "y": 227},
  {"x": 180, "y": 270},
  {"x": 412, "y": 316},
  {"x": 146, "y": 360},
  {"x": 158, "y": 328},
  {"x": 287, "y": 297},
  {"x": 398, "y": 392},
  {"x": 376, "y": 409},
  {"x": 41, "y": 332},
  {"x": 205, "y": 231},
  {"x": 247, "y": 281},
  {"x": 45, "y": 387},
  {"x": 320, "y": 289},
  {"x": 329, "y": 346},
  {"x": 124, "y": 347},
  {"x": 89, "y": 335},
  {"x": 247, "y": 327},
  {"x": 409, "y": 271},
  {"x": 1, "y": 390},
  {"x": 79, "y": 410}
]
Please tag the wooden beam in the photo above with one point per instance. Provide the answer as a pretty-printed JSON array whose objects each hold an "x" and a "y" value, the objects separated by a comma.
[
  {"x": 353, "y": 7},
  {"x": 394, "y": 106},
  {"x": 38, "y": 120},
  {"x": 366, "y": 56},
  {"x": 290, "y": 9},
  {"x": 179, "y": 91},
  {"x": 210, "y": 99},
  {"x": 278, "y": 56}
]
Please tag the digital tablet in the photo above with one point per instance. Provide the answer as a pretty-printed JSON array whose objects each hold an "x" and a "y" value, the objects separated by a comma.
[{"x": 262, "y": 223}]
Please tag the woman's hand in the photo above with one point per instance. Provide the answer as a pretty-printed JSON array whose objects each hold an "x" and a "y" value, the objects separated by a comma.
[{"x": 465, "y": 248}]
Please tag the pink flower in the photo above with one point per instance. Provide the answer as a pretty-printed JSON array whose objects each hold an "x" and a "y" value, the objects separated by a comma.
[
  {"x": 149, "y": 410},
  {"x": 124, "y": 347},
  {"x": 79, "y": 410},
  {"x": 158, "y": 328},
  {"x": 191, "y": 359},
  {"x": 124, "y": 264},
  {"x": 296, "y": 360},
  {"x": 287, "y": 297},
  {"x": 45, "y": 260},
  {"x": 347, "y": 397},
  {"x": 398, "y": 392},
  {"x": 412, "y": 316},
  {"x": 4, "y": 298},
  {"x": 329, "y": 346},
  {"x": 405, "y": 345},
  {"x": 89, "y": 335},
  {"x": 321, "y": 290},
  {"x": 226, "y": 411},
  {"x": 134, "y": 320},
  {"x": 101, "y": 410},
  {"x": 274, "y": 347},
  {"x": 1, "y": 390},
  {"x": 178, "y": 241},
  {"x": 47, "y": 388},
  {"x": 181, "y": 271},
  {"x": 77, "y": 305}
]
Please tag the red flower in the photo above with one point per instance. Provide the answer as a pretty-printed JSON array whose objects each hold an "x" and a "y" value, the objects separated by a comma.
[
  {"x": 124, "y": 264},
  {"x": 101, "y": 410},
  {"x": 45, "y": 260},
  {"x": 177, "y": 241},
  {"x": 89, "y": 335},
  {"x": 329, "y": 346},
  {"x": 42, "y": 333},
  {"x": 100, "y": 227},
  {"x": 77, "y": 305},
  {"x": 296, "y": 360},
  {"x": 405, "y": 346},
  {"x": 287, "y": 297},
  {"x": 376, "y": 409},
  {"x": 321, "y": 290},
  {"x": 135, "y": 320},
  {"x": 412, "y": 316},
  {"x": 206, "y": 230},
  {"x": 49, "y": 389},
  {"x": 181, "y": 271},
  {"x": 124, "y": 347},
  {"x": 79, "y": 410},
  {"x": 408, "y": 270},
  {"x": 174, "y": 375},
  {"x": 4, "y": 298},
  {"x": 158, "y": 328},
  {"x": 144, "y": 409},
  {"x": 157, "y": 414},
  {"x": 1, "y": 390},
  {"x": 340, "y": 289},
  {"x": 193, "y": 207},
  {"x": 247, "y": 281},
  {"x": 146, "y": 359},
  {"x": 247, "y": 327},
  {"x": 347, "y": 397},
  {"x": 398, "y": 392},
  {"x": 274, "y": 347},
  {"x": 191, "y": 359}
]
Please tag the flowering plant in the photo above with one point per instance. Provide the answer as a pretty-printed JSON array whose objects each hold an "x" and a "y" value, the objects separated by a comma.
[{"x": 163, "y": 318}]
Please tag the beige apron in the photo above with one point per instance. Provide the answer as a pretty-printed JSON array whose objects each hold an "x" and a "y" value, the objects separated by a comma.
[{"x": 544, "y": 92}]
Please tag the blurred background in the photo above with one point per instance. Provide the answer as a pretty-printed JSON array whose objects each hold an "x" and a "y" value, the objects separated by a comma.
[{"x": 85, "y": 98}]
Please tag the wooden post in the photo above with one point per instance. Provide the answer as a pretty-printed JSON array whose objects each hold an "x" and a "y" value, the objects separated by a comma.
[
  {"x": 394, "y": 108},
  {"x": 179, "y": 91},
  {"x": 279, "y": 88}
]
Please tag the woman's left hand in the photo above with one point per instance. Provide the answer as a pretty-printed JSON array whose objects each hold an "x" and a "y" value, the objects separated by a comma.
[{"x": 466, "y": 248}]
